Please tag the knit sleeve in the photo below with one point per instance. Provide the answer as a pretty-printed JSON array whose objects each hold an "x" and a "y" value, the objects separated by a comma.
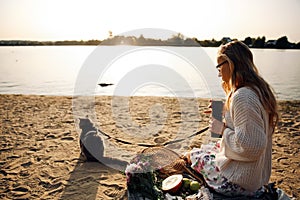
[{"x": 248, "y": 140}]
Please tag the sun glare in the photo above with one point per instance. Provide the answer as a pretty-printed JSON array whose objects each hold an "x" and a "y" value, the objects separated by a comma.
[{"x": 93, "y": 19}]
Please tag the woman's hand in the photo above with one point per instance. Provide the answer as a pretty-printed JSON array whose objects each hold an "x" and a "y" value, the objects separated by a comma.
[
  {"x": 209, "y": 110},
  {"x": 216, "y": 126}
]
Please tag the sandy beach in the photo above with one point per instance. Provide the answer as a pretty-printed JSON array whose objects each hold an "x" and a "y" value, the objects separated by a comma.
[{"x": 40, "y": 154}]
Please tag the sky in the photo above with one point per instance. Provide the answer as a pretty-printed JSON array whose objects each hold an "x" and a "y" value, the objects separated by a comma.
[{"x": 52, "y": 20}]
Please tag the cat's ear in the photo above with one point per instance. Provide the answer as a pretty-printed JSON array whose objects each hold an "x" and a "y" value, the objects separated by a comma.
[{"x": 83, "y": 120}]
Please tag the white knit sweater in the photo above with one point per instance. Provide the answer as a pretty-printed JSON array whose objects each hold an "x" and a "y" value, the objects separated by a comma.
[{"x": 246, "y": 146}]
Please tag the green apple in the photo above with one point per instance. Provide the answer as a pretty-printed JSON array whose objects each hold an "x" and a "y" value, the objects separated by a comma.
[
  {"x": 194, "y": 186},
  {"x": 186, "y": 182}
]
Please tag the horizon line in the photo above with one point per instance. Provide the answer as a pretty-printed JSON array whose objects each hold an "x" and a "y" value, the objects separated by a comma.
[{"x": 78, "y": 40}]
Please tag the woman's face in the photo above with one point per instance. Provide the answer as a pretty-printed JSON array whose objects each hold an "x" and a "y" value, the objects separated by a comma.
[{"x": 224, "y": 70}]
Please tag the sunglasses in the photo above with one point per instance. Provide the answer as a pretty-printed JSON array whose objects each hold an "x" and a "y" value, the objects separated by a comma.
[{"x": 222, "y": 63}]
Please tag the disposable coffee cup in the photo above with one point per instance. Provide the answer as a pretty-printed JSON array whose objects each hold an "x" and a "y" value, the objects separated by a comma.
[{"x": 217, "y": 113}]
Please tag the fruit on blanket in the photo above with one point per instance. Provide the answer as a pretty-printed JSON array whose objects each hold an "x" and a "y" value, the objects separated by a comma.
[
  {"x": 172, "y": 184},
  {"x": 194, "y": 186},
  {"x": 186, "y": 183}
]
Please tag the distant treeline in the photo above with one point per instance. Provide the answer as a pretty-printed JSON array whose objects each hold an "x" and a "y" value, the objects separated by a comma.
[
  {"x": 175, "y": 40},
  {"x": 47, "y": 43}
]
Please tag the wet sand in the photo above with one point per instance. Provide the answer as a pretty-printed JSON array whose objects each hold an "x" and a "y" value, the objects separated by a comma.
[{"x": 40, "y": 154}]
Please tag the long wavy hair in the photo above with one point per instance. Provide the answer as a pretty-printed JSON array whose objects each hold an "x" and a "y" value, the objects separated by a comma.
[{"x": 243, "y": 73}]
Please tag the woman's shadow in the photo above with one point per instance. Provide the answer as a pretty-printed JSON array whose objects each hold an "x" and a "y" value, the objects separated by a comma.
[{"x": 94, "y": 174}]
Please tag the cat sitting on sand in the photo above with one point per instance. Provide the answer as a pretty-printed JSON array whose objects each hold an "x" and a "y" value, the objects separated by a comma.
[{"x": 92, "y": 146}]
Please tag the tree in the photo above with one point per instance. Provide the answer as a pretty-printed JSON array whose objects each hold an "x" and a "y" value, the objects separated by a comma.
[
  {"x": 259, "y": 42},
  {"x": 248, "y": 41},
  {"x": 282, "y": 43}
]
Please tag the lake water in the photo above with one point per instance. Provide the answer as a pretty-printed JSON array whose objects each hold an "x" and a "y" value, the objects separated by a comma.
[{"x": 148, "y": 71}]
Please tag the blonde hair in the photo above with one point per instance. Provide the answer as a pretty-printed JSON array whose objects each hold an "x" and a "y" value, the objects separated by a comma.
[{"x": 243, "y": 73}]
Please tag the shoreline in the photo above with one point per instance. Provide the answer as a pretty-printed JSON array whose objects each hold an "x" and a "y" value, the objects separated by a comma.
[
  {"x": 39, "y": 156},
  {"x": 143, "y": 96}
]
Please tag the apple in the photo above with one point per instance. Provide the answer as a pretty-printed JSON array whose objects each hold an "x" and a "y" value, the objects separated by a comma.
[
  {"x": 194, "y": 186},
  {"x": 172, "y": 183}
]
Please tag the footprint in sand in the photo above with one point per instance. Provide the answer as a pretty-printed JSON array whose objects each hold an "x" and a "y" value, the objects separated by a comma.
[
  {"x": 160, "y": 140},
  {"x": 114, "y": 191},
  {"x": 23, "y": 174},
  {"x": 20, "y": 192},
  {"x": 68, "y": 138}
]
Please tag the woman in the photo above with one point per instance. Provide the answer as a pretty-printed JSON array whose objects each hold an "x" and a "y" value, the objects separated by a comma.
[{"x": 240, "y": 163}]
